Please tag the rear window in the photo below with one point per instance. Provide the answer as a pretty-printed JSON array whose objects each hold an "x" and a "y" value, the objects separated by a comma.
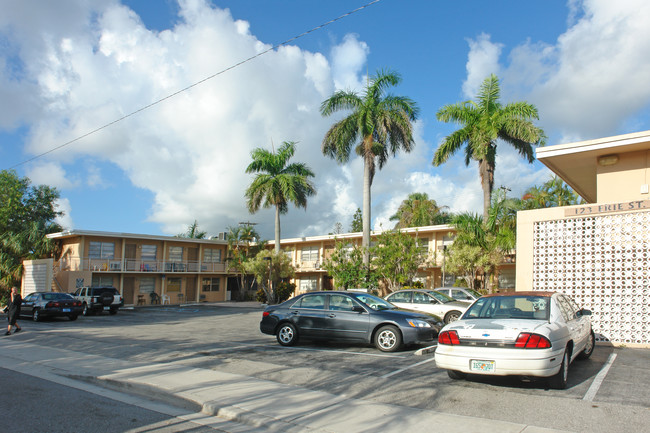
[
  {"x": 55, "y": 296},
  {"x": 100, "y": 290},
  {"x": 509, "y": 307}
]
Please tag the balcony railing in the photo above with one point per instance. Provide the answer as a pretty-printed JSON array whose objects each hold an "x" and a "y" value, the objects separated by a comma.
[{"x": 132, "y": 265}]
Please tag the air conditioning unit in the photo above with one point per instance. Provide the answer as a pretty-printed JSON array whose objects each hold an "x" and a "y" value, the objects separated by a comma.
[{"x": 222, "y": 236}]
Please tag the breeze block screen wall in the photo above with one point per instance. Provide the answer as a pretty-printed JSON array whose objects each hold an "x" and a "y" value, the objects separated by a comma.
[{"x": 602, "y": 261}]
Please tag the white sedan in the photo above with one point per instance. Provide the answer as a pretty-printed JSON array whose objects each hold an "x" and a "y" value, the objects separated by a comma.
[
  {"x": 429, "y": 301},
  {"x": 520, "y": 333}
]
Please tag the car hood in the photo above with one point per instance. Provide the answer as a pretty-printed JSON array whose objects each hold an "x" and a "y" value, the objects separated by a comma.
[
  {"x": 405, "y": 312},
  {"x": 496, "y": 329}
]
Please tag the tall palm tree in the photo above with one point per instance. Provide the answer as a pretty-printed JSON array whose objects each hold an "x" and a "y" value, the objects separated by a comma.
[
  {"x": 193, "y": 232},
  {"x": 278, "y": 183},
  {"x": 419, "y": 210},
  {"x": 484, "y": 122},
  {"x": 379, "y": 126}
]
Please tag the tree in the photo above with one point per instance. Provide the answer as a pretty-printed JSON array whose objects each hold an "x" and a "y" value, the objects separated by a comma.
[
  {"x": 243, "y": 244},
  {"x": 484, "y": 123},
  {"x": 379, "y": 126},
  {"x": 345, "y": 266},
  {"x": 269, "y": 268},
  {"x": 554, "y": 192},
  {"x": 419, "y": 210},
  {"x": 27, "y": 214},
  {"x": 193, "y": 232},
  {"x": 278, "y": 183},
  {"x": 396, "y": 258},
  {"x": 357, "y": 222}
]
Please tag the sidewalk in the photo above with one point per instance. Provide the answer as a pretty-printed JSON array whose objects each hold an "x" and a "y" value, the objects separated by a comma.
[{"x": 262, "y": 405}]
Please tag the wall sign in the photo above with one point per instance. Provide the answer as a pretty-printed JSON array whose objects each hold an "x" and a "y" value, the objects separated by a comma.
[{"x": 607, "y": 208}]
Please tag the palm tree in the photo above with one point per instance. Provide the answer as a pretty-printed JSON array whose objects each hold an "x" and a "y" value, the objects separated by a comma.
[
  {"x": 379, "y": 126},
  {"x": 278, "y": 183},
  {"x": 193, "y": 232},
  {"x": 419, "y": 210},
  {"x": 483, "y": 123}
]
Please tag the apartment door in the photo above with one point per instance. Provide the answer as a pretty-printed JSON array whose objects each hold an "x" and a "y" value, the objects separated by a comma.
[
  {"x": 129, "y": 256},
  {"x": 193, "y": 259},
  {"x": 190, "y": 289},
  {"x": 128, "y": 289}
]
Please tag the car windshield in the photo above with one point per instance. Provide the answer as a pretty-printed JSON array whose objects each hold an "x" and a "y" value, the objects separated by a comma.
[
  {"x": 509, "y": 307},
  {"x": 440, "y": 296},
  {"x": 474, "y": 293},
  {"x": 374, "y": 302}
]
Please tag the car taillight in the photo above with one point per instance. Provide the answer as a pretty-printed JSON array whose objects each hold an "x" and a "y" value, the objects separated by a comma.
[
  {"x": 527, "y": 340},
  {"x": 266, "y": 314},
  {"x": 448, "y": 337}
]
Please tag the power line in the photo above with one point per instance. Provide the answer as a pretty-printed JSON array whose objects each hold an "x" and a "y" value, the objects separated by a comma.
[{"x": 195, "y": 84}]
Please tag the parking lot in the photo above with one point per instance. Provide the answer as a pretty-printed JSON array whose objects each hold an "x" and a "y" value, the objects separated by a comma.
[{"x": 608, "y": 392}]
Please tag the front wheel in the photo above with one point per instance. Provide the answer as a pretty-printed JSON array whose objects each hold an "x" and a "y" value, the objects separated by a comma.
[
  {"x": 287, "y": 334},
  {"x": 589, "y": 347},
  {"x": 36, "y": 315},
  {"x": 388, "y": 339},
  {"x": 559, "y": 381}
]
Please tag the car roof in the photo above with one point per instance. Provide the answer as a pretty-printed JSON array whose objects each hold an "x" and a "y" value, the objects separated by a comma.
[{"x": 543, "y": 294}]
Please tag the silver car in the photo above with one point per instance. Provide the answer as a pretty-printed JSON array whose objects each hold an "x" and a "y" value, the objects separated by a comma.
[
  {"x": 429, "y": 301},
  {"x": 460, "y": 293}
]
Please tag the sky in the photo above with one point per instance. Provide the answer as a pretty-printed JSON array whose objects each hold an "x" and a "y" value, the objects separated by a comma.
[{"x": 71, "y": 67}]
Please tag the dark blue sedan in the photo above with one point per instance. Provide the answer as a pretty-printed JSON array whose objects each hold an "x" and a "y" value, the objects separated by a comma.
[
  {"x": 50, "y": 304},
  {"x": 352, "y": 316}
]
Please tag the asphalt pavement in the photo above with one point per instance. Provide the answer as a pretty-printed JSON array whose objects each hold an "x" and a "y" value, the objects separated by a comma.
[{"x": 250, "y": 404}]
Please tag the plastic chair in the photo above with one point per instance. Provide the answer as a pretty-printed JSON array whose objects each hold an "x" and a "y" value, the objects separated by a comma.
[{"x": 165, "y": 299}]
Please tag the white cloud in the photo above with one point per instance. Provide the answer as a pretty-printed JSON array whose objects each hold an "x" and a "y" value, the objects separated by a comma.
[
  {"x": 49, "y": 173},
  {"x": 348, "y": 59},
  {"x": 482, "y": 60},
  {"x": 65, "y": 220}
]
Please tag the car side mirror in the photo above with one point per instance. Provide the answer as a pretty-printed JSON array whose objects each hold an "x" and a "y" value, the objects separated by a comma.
[
  {"x": 585, "y": 312},
  {"x": 358, "y": 309}
]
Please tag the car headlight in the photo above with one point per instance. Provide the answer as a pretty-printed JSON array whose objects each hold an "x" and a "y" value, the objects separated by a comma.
[{"x": 417, "y": 323}]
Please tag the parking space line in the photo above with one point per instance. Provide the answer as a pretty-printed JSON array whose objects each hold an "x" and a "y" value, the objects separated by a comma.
[
  {"x": 406, "y": 368},
  {"x": 380, "y": 355},
  {"x": 595, "y": 385}
]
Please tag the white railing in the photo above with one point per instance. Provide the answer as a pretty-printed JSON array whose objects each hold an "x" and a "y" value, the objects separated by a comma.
[{"x": 133, "y": 265}]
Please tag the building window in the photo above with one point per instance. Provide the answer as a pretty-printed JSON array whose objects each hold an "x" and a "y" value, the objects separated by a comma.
[
  {"x": 309, "y": 254},
  {"x": 149, "y": 252},
  {"x": 101, "y": 250},
  {"x": 211, "y": 284},
  {"x": 212, "y": 255},
  {"x": 423, "y": 246},
  {"x": 101, "y": 280},
  {"x": 507, "y": 278},
  {"x": 308, "y": 284},
  {"x": 175, "y": 254},
  {"x": 147, "y": 285},
  {"x": 173, "y": 284}
]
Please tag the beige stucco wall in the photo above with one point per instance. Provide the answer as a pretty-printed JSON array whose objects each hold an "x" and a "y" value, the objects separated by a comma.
[{"x": 624, "y": 180}]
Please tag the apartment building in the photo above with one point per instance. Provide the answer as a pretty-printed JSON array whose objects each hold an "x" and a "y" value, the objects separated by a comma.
[
  {"x": 145, "y": 269},
  {"x": 599, "y": 252}
]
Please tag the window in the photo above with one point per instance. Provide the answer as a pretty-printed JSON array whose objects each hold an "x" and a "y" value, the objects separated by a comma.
[
  {"x": 421, "y": 298},
  {"x": 423, "y": 246},
  {"x": 211, "y": 284},
  {"x": 102, "y": 280},
  {"x": 309, "y": 254},
  {"x": 212, "y": 255},
  {"x": 507, "y": 278},
  {"x": 149, "y": 252},
  {"x": 341, "y": 303},
  {"x": 173, "y": 284},
  {"x": 147, "y": 285},
  {"x": 308, "y": 284},
  {"x": 316, "y": 302},
  {"x": 400, "y": 297},
  {"x": 101, "y": 250},
  {"x": 175, "y": 254}
]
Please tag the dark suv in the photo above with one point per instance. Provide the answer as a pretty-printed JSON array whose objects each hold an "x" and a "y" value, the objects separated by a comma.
[{"x": 98, "y": 299}]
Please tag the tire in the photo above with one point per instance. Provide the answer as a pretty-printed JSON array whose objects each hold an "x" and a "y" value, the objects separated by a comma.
[
  {"x": 72, "y": 317},
  {"x": 589, "y": 348},
  {"x": 452, "y": 316},
  {"x": 86, "y": 311},
  {"x": 36, "y": 315},
  {"x": 559, "y": 381},
  {"x": 388, "y": 339},
  {"x": 113, "y": 311},
  {"x": 456, "y": 375},
  {"x": 106, "y": 299},
  {"x": 287, "y": 334}
]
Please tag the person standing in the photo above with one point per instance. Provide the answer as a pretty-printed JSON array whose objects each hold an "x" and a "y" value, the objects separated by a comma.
[{"x": 15, "y": 301}]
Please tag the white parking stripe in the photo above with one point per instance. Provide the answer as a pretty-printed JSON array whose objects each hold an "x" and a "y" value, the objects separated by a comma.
[
  {"x": 595, "y": 385},
  {"x": 380, "y": 355},
  {"x": 406, "y": 368}
]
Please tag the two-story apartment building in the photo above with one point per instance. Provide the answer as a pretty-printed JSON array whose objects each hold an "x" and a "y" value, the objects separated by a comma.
[{"x": 145, "y": 269}]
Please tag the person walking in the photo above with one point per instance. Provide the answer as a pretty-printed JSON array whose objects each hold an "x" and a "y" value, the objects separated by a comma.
[{"x": 13, "y": 311}]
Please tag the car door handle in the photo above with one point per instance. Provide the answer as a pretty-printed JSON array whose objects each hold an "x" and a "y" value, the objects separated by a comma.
[
  {"x": 332, "y": 315},
  {"x": 295, "y": 313}
]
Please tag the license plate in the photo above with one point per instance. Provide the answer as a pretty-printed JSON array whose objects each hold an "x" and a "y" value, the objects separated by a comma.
[
  {"x": 107, "y": 308},
  {"x": 481, "y": 366},
  {"x": 66, "y": 310}
]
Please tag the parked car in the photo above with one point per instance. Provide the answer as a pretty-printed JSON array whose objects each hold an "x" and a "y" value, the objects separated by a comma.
[
  {"x": 98, "y": 299},
  {"x": 354, "y": 316},
  {"x": 526, "y": 334},
  {"x": 429, "y": 301},
  {"x": 460, "y": 293},
  {"x": 50, "y": 304}
]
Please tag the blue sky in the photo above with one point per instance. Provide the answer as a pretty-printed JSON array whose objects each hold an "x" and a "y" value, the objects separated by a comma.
[{"x": 71, "y": 66}]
